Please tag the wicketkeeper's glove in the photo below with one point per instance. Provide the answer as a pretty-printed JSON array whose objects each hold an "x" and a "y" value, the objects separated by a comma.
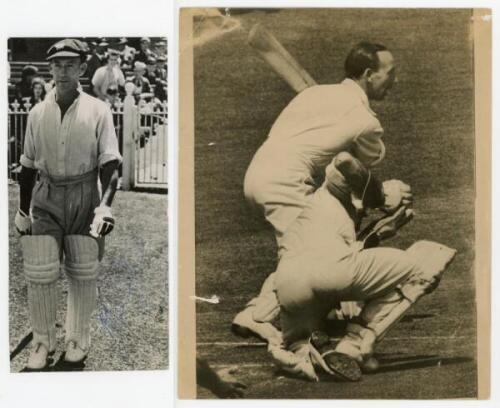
[
  {"x": 396, "y": 193},
  {"x": 103, "y": 222},
  {"x": 385, "y": 227}
]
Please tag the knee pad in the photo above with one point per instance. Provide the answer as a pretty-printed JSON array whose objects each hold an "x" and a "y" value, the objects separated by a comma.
[
  {"x": 40, "y": 258},
  {"x": 81, "y": 254}
]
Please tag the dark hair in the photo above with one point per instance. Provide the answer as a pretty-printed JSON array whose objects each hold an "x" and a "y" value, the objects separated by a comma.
[
  {"x": 361, "y": 57},
  {"x": 38, "y": 81}
]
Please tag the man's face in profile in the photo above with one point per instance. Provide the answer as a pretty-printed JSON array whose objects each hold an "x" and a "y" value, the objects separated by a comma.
[{"x": 382, "y": 80}]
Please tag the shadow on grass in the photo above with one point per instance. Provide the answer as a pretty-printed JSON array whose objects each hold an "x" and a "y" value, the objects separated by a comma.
[
  {"x": 21, "y": 345},
  {"x": 63, "y": 365},
  {"x": 419, "y": 361},
  {"x": 60, "y": 365},
  {"x": 396, "y": 364}
]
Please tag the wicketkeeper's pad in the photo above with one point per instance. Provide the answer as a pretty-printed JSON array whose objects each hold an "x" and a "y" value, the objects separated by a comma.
[{"x": 382, "y": 313}]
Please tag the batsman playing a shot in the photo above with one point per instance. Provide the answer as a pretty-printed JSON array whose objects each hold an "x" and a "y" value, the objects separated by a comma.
[
  {"x": 317, "y": 124},
  {"x": 70, "y": 142}
]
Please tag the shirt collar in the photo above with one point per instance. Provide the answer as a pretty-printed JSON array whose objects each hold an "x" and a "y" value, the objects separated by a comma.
[
  {"x": 354, "y": 86},
  {"x": 51, "y": 96}
]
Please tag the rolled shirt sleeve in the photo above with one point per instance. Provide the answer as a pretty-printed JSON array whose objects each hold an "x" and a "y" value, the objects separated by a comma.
[
  {"x": 369, "y": 147},
  {"x": 107, "y": 140}
]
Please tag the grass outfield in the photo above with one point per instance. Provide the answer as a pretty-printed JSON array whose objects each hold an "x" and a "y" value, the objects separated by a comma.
[
  {"x": 429, "y": 123},
  {"x": 130, "y": 326}
]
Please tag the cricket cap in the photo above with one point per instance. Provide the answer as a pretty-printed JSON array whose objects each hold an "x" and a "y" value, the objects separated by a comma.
[{"x": 68, "y": 47}]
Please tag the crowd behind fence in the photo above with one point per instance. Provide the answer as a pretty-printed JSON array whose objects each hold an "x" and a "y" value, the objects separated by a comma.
[{"x": 141, "y": 128}]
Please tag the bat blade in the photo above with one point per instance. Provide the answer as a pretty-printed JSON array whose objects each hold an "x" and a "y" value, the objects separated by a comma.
[{"x": 271, "y": 50}]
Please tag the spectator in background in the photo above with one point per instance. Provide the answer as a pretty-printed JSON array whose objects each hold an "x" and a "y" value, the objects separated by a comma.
[
  {"x": 23, "y": 87},
  {"x": 141, "y": 83},
  {"x": 160, "y": 48},
  {"x": 38, "y": 91},
  {"x": 127, "y": 53},
  {"x": 108, "y": 79},
  {"x": 97, "y": 59},
  {"x": 151, "y": 70},
  {"x": 161, "y": 69},
  {"x": 145, "y": 51},
  {"x": 160, "y": 91}
]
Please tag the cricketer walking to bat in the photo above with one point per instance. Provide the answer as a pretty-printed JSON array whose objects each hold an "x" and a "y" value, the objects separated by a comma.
[
  {"x": 317, "y": 124},
  {"x": 70, "y": 142}
]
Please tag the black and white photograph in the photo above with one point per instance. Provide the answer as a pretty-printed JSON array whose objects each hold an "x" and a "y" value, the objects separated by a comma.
[
  {"x": 337, "y": 227},
  {"x": 87, "y": 192}
]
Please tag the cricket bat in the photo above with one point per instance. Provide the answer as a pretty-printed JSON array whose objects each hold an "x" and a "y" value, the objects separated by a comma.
[{"x": 270, "y": 49}]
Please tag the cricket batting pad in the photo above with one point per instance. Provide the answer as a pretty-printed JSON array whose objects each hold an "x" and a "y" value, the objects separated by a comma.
[
  {"x": 81, "y": 267},
  {"x": 41, "y": 269},
  {"x": 382, "y": 313}
]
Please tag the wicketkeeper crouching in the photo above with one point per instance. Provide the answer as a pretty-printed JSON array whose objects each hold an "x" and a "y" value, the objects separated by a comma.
[
  {"x": 323, "y": 263},
  {"x": 70, "y": 142}
]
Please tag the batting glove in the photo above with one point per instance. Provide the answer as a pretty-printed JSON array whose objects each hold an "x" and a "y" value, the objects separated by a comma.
[
  {"x": 103, "y": 222},
  {"x": 22, "y": 222}
]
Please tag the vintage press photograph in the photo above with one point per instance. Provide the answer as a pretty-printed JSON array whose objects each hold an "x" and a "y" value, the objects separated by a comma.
[
  {"x": 334, "y": 195},
  {"x": 87, "y": 169}
]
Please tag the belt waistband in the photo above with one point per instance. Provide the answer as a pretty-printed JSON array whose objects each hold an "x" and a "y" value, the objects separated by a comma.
[{"x": 66, "y": 181}]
